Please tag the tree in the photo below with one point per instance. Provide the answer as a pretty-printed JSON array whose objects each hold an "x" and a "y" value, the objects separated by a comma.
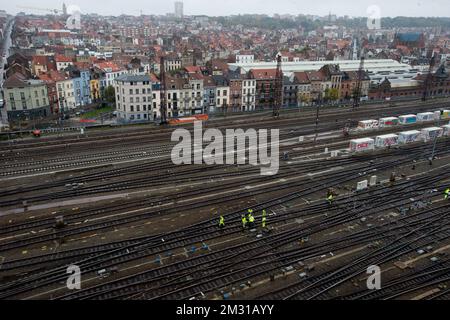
[
  {"x": 331, "y": 94},
  {"x": 110, "y": 95}
]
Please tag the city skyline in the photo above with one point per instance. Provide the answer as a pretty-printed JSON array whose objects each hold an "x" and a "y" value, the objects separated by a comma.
[{"x": 429, "y": 8}]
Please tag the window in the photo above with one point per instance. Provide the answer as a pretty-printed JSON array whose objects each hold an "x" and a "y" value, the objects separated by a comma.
[
  {"x": 131, "y": 108},
  {"x": 24, "y": 105},
  {"x": 144, "y": 107},
  {"x": 11, "y": 96},
  {"x": 148, "y": 91},
  {"x": 22, "y": 96},
  {"x": 143, "y": 90},
  {"x": 37, "y": 103},
  {"x": 137, "y": 91},
  {"x": 131, "y": 91},
  {"x": 138, "y": 108},
  {"x": 13, "y": 105},
  {"x": 131, "y": 99},
  {"x": 137, "y": 99}
]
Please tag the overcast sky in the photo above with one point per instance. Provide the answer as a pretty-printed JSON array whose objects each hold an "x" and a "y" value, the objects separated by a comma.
[{"x": 226, "y": 7}]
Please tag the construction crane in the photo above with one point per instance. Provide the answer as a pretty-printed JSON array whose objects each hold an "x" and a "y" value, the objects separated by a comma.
[
  {"x": 163, "y": 92},
  {"x": 278, "y": 98},
  {"x": 358, "y": 89},
  {"x": 54, "y": 11},
  {"x": 428, "y": 79}
]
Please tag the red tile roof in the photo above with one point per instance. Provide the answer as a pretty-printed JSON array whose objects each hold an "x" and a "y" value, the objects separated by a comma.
[
  {"x": 193, "y": 69},
  {"x": 108, "y": 65},
  {"x": 263, "y": 74},
  {"x": 62, "y": 58}
]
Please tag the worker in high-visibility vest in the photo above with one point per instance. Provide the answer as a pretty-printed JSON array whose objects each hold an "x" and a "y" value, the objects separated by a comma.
[
  {"x": 244, "y": 221},
  {"x": 447, "y": 193},
  {"x": 264, "y": 213},
  {"x": 330, "y": 199},
  {"x": 264, "y": 222},
  {"x": 221, "y": 222},
  {"x": 251, "y": 221}
]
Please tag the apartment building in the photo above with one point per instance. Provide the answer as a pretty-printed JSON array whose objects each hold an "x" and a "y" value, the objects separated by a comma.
[
  {"x": 222, "y": 91},
  {"x": 133, "y": 98},
  {"x": 25, "y": 98},
  {"x": 248, "y": 94}
]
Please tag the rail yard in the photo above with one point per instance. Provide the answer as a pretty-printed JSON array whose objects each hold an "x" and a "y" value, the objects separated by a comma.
[{"x": 111, "y": 202}]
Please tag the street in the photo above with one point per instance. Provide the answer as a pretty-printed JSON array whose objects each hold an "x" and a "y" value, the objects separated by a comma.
[{"x": 5, "y": 50}]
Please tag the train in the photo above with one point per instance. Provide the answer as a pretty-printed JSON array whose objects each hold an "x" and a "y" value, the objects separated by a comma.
[
  {"x": 184, "y": 120},
  {"x": 403, "y": 120},
  {"x": 404, "y": 137}
]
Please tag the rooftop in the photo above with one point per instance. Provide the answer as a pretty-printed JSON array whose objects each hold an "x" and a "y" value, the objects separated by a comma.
[
  {"x": 133, "y": 78},
  {"x": 344, "y": 65}
]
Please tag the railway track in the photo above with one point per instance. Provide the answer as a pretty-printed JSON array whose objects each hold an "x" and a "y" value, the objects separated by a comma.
[
  {"x": 304, "y": 188},
  {"x": 254, "y": 256},
  {"x": 178, "y": 242}
]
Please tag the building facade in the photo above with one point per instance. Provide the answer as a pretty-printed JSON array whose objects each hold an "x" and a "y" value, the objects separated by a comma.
[
  {"x": 25, "y": 98},
  {"x": 133, "y": 98}
]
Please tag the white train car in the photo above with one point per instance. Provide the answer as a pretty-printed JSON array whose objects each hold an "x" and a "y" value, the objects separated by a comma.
[
  {"x": 437, "y": 115},
  {"x": 407, "y": 119},
  {"x": 386, "y": 140},
  {"x": 408, "y": 136},
  {"x": 425, "y": 116},
  {"x": 367, "y": 124},
  {"x": 446, "y": 130},
  {"x": 428, "y": 134},
  {"x": 363, "y": 144},
  {"x": 388, "y": 122}
]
